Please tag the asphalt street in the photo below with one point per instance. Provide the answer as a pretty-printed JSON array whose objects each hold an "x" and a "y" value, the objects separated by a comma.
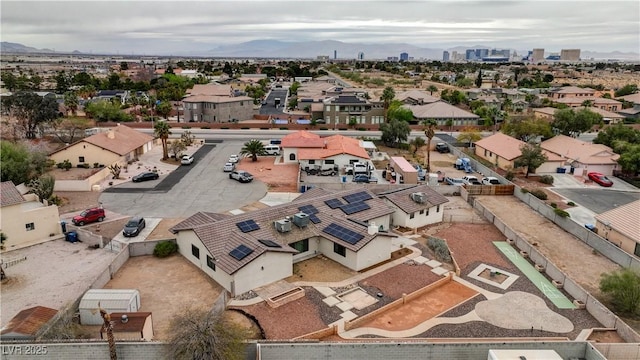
[
  {"x": 598, "y": 200},
  {"x": 269, "y": 108}
]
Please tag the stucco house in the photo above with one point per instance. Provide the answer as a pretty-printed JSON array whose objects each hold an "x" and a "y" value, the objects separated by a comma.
[
  {"x": 416, "y": 97},
  {"x": 500, "y": 149},
  {"x": 243, "y": 252},
  {"x": 548, "y": 114},
  {"x": 25, "y": 220},
  {"x": 217, "y": 109},
  {"x": 118, "y": 144},
  {"x": 416, "y": 206},
  {"x": 621, "y": 227},
  {"x": 441, "y": 112},
  {"x": 311, "y": 150},
  {"x": 582, "y": 157}
]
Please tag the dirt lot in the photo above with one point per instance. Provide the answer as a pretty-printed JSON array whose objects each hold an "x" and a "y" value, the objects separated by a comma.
[
  {"x": 73, "y": 201},
  {"x": 320, "y": 268},
  {"x": 279, "y": 178},
  {"x": 167, "y": 286}
]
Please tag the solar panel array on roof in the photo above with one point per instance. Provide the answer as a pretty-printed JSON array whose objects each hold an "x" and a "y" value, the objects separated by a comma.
[
  {"x": 359, "y": 196},
  {"x": 333, "y": 203},
  {"x": 314, "y": 219},
  {"x": 240, "y": 252},
  {"x": 354, "y": 207},
  {"x": 269, "y": 243},
  {"x": 308, "y": 209},
  {"x": 343, "y": 234},
  {"x": 247, "y": 226}
]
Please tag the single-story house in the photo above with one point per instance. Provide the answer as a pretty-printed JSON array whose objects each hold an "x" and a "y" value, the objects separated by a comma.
[
  {"x": 416, "y": 206},
  {"x": 311, "y": 150},
  {"x": 27, "y": 323},
  {"x": 582, "y": 157},
  {"x": 441, "y": 112},
  {"x": 500, "y": 149},
  {"x": 25, "y": 220},
  {"x": 249, "y": 250},
  {"x": 130, "y": 326},
  {"x": 621, "y": 227},
  {"x": 119, "y": 144},
  {"x": 416, "y": 97}
]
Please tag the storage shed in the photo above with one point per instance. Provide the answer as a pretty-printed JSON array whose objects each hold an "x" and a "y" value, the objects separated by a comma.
[
  {"x": 111, "y": 300},
  {"x": 27, "y": 323},
  {"x": 401, "y": 166}
]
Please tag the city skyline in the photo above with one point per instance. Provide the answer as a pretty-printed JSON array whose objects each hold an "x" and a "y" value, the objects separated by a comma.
[{"x": 184, "y": 26}]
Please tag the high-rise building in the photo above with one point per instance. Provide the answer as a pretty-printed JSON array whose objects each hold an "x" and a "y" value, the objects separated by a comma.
[
  {"x": 404, "y": 56},
  {"x": 570, "y": 55},
  {"x": 482, "y": 53},
  {"x": 537, "y": 55},
  {"x": 470, "y": 54},
  {"x": 335, "y": 54},
  {"x": 501, "y": 52},
  {"x": 361, "y": 56},
  {"x": 445, "y": 56},
  {"x": 454, "y": 56}
]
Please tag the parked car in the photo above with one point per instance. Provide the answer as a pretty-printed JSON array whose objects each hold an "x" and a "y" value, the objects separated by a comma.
[
  {"x": 242, "y": 176},
  {"x": 228, "y": 167},
  {"x": 363, "y": 178},
  {"x": 471, "y": 180},
  {"x": 145, "y": 176},
  {"x": 233, "y": 159},
  {"x": 454, "y": 181},
  {"x": 89, "y": 216},
  {"x": 490, "y": 180},
  {"x": 442, "y": 148},
  {"x": 134, "y": 226},
  {"x": 600, "y": 179},
  {"x": 186, "y": 160}
]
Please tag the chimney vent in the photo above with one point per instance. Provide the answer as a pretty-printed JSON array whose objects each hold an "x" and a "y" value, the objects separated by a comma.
[{"x": 124, "y": 319}]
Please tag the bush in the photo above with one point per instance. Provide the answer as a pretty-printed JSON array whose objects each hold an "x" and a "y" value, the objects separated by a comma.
[
  {"x": 561, "y": 213},
  {"x": 554, "y": 205},
  {"x": 165, "y": 248},
  {"x": 523, "y": 190},
  {"x": 546, "y": 179},
  {"x": 539, "y": 194},
  {"x": 440, "y": 248},
  {"x": 571, "y": 203},
  {"x": 96, "y": 165},
  {"x": 509, "y": 175}
]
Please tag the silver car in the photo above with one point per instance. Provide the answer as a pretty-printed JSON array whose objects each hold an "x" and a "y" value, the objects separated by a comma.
[{"x": 229, "y": 167}]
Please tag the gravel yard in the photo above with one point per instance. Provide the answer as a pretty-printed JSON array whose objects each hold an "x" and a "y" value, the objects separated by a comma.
[{"x": 279, "y": 178}]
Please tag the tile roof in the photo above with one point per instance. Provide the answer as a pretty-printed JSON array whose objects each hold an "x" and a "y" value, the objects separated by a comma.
[
  {"x": 302, "y": 139},
  {"x": 402, "y": 198},
  {"x": 199, "y": 218},
  {"x": 9, "y": 194},
  {"x": 502, "y": 145},
  {"x": 29, "y": 321},
  {"x": 583, "y": 152},
  {"x": 312, "y": 194},
  {"x": 135, "y": 321},
  {"x": 335, "y": 145},
  {"x": 439, "y": 110},
  {"x": 119, "y": 139},
  {"x": 579, "y": 100},
  {"x": 417, "y": 95},
  {"x": 210, "y": 89},
  {"x": 573, "y": 90},
  {"x": 222, "y": 236},
  {"x": 348, "y": 99},
  {"x": 624, "y": 219},
  {"x": 634, "y": 98},
  {"x": 215, "y": 99}
]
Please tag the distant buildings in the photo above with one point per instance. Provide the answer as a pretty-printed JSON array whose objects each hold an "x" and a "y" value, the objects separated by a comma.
[
  {"x": 335, "y": 54},
  {"x": 445, "y": 56},
  {"x": 404, "y": 56},
  {"x": 361, "y": 56},
  {"x": 570, "y": 55},
  {"x": 537, "y": 55}
]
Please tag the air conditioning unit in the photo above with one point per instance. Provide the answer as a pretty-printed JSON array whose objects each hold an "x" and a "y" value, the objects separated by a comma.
[
  {"x": 301, "y": 219},
  {"x": 419, "y": 197},
  {"x": 283, "y": 225}
]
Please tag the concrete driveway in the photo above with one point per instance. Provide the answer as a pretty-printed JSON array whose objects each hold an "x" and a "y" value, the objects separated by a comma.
[{"x": 202, "y": 186}]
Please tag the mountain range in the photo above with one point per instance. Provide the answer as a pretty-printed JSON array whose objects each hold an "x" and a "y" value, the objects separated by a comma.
[{"x": 313, "y": 49}]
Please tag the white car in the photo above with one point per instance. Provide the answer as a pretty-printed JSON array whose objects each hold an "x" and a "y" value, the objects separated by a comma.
[
  {"x": 471, "y": 180},
  {"x": 233, "y": 159},
  {"x": 490, "y": 180},
  {"x": 187, "y": 160},
  {"x": 229, "y": 167}
]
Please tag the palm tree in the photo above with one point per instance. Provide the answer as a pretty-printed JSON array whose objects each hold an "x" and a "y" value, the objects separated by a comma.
[
  {"x": 387, "y": 95},
  {"x": 71, "y": 102},
  {"x": 431, "y": 89},
  {"x": 253, "y": 148},
  {"x": 162, "y": 130},
  {"x": 429, "y": 132}
]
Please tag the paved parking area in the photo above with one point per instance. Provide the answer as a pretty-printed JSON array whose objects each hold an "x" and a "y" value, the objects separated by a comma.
[{"x": 599, "y": 200}]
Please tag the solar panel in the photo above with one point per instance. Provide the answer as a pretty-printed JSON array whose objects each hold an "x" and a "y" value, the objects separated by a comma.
[
  {"x": 354, "y": 207},
  {"x": 308, "y": 209},
  {"x": 359, "y": 196},
  {"x": 342, "y": 233},
  {"x": 240, "y": 252},
  {"x": 333, "y": 203},
  {"x": 247, "y": 226},
  {"x": 314, "y": 219},
  {"x": 269, "y": 243}
]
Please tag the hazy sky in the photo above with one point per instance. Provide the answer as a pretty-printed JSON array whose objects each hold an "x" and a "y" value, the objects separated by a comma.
[{"x": 144, "y": 27}]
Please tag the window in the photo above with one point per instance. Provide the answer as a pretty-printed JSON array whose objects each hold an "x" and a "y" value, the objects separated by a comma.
[
  {"x": 292, "y": 157},
  {"x": 210, "y": 263},
  {"x": 80, "y": 159},
  {"x": 485, "y": 152},
  {"x": 427, "y": 214},
  {"x": 30, "y": 226},
  {"x": 421, "y": 211},
  {"x": 329, "y": 162},
  {"x": 195, "y": 106},
  {"x": 302, "y": 245},
  {"x": 438, "y": 208},
  {"x": 412, "y": 215},
  {"x": 312, "y": 162},
  {"x": 339, "y": 249},
  {"x": 195, "y": 251}
]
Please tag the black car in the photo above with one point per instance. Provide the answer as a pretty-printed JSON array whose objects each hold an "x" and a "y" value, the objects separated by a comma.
[
  {"x": 363, "y": 178},
  {"x": 134, "y": 226},
  {"x": 442, "y": 148},
  {"x": 146, "y": 176}
]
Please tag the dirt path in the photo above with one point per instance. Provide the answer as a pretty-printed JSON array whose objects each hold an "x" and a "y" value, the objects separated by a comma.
[{"x": 568, "y": 253}]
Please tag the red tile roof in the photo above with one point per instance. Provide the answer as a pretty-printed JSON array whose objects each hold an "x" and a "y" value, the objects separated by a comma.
[
  {"x": 334, "y": 145},
  {"x": 302, "y": 139},
  {"x": 502, "y": 145}
]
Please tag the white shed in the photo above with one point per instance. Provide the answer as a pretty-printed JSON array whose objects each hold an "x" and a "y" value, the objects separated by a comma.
[{"x": 111, "y": 300}]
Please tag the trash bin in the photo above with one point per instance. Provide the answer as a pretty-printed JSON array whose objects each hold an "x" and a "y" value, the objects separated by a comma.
[
  {"x": 63, "y": 225},
  {"x": 71, "y": 236},
  {"x": 561, "y": 170}
]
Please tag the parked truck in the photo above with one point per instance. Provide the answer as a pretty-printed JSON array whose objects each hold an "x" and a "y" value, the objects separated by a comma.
[{"x": 357, "y": 168}]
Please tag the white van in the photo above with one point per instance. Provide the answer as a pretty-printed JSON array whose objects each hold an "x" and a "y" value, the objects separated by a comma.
[{"x": 273, "y": 150}]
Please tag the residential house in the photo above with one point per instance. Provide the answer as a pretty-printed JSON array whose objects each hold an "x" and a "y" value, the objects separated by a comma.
[
  {"x": 621, "y": 227},
  {"x": 500, "y": 149},
  {"x": 634, "y": 112},
  {"x": 572, "y": 92},
  {"x": 253, "y": 249},
  {"x": 311, "y": 150},
  {"x": 416, "y": 206},
  {"x": 342, "y": 109},
  {"x": 416, "y": 97},
  {"x": 210, "y": 90},
  {"x": 600, "y": 103},
  {"x": 26, "y": 325},
  {"x": 25, "y": 220},
  {"x": 582, "y": 157},
  {"x": 119, "y": 144},
  {"x": 548, "y": 114},
  {"x": 217, "y": 109},
  {"x": 130, "y": 326},
  {"x": 442, "y": 112}
]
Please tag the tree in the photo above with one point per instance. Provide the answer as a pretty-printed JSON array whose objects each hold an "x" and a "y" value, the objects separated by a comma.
[
  {"x": 164, "y": 109},
  {"x": 388, "y": 94},
  {"x": 587, "y": 103},
  {"x": 617, "y": 132},
  {"x": 394, "y": 132},
  {"x": 429, "y": 132},
  {"x": 479, "y": 79},
  {"x": 162, "y": 130},
  {"x": 431, "y": 89},
  {"x": 571, "y": 123},
  {"x": 532, "y": 157},
  {"x": 623, "y": 288},
  {"x": 397, "y": 111},
  {"x": 203, "y": 334},
  {"x": 417, "y": 143},
  {"x": 71, "y": 102},
  {"x": 177, "y": 147},
  {"x": 626, "y": 90},
  {"x": 629, "y": 156},
  {"x": 62, "y": 82},
  {"x": 527, "y": 129},
  {"x": 43, "y": 187},
  {"x": 104, "y": 110},
  {"x": 115, "y": 170},
  {"x": 253, "y": 148},
  {"x": 31, "y": 110},
  {"x": 19, "y": 164},
  {"x": 469, "y": 135}
]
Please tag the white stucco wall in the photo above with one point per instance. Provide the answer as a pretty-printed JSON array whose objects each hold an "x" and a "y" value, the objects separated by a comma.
[
  {"x": 349, "y": 260},
  {"x": 377, "y": 250},
  {"x": 187, "y": 238},
  {"x": 14, "y": 219},
  {"x": 265, "y": 269},
  {"x": 286, "y": 153},
  {"x": 400, "y": 218}
]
